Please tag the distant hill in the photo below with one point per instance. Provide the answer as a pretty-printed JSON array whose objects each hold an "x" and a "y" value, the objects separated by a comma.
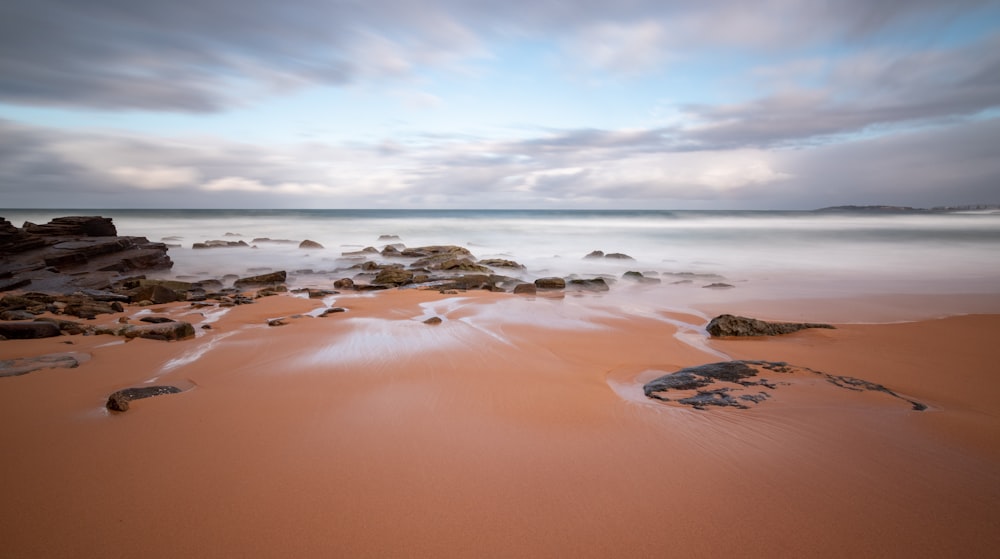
[
  {"x": 870, "y": 209},
  {"x": 903, "y": 209}
]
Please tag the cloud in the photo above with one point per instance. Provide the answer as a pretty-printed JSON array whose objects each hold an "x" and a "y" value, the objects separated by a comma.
[{"x": 210, "y": 55}]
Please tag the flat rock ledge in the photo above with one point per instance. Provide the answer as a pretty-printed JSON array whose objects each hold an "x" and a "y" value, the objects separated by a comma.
[
  {"x": 740, "y": 384},
  {"x": 119, "y": 401},
  {"x": 730, "y": 325},
  {"x": 25, "y": 365}
]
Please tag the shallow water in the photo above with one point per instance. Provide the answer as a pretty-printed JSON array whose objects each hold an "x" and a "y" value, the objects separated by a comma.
[{"x": 803, "y": 254}]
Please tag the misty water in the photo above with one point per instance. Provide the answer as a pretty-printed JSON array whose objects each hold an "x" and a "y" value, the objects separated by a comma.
[{"x": 761, "y": 252}]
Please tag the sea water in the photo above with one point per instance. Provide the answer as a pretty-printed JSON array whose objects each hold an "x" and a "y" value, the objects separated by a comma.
[{"x": 804, "y": 253}]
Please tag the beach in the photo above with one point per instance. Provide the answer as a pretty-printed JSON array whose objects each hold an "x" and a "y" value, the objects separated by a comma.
[{"x": 517, "y": 426}]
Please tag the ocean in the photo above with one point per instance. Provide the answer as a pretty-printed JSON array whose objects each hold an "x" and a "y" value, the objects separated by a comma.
[{"x": 760, "y": 253}]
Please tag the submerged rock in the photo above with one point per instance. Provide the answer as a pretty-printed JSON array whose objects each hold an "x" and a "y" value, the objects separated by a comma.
[
  {"x": 261, "y": 280},
  {"x": 309, "y": 244},
  {"x": 730, "y": 325},
  {"x": 25, "y": 365},
  {"x": 119, "y": 401},
  {"x": 594, "y": 284},
  {"x": 550, "y": 283},
  {"x": 20, "y": 330}
]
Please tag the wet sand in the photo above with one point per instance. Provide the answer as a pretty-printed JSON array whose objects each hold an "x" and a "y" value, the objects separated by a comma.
[{"x": 515, "y": 428}]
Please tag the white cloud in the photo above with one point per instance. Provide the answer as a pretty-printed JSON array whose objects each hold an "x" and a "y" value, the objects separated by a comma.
[{"x": 156, "y": 176}]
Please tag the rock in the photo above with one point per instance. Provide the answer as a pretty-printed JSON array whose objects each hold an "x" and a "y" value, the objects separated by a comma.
[
  {"x": 28, "y": 330},
  {"x": 595, "y": 284},
  {"x": 85, "y": 307},
  {"x": 363, "y": 252},
  {"x": 595, "y": 254},
  {"x": 156, "y": 293},
  {"x": 467, "y": 282},
  {"x": 221, "y": 244},
  {"x": 100, "y": 295},
  {"x": 16, "y": 315},
  {"x": 392, "y": 276},
  {"x": 332, "y": 310},
  {"x": 501, "y": 263},
  {"x": 550, "y": 283},
  {"x": 618, "y": 256},
  {"x": 25, "y": 365},
  {"x": 167, "y": 331},
  {"x": 156, "y": 319},
  {"x": 717, "y": 285},
  {"x": 68, "y": 326},
  {"x": 260, "y": 240},
  {"x": 729, "y": 325},
  {"x": 309, "y": 244},
  {"x": 525, "y": 289},
  {"x": 263, "y": 279},
  {"x": 119, "y": 401},
  {"x": 344, "y": 283},
  {"x": 73, "y": 253},
  {"x": 74, "y": 226},
  {"x": 319, "y": 293},
  {"x": 388, "y": 237},
  {"x": 638, "y": 277},
  {"x": 276, "y": 322},
  {"x": 433, "y": 320},
  {"x": 390, "y": 251},
  {"x": 461, "y": 264}
]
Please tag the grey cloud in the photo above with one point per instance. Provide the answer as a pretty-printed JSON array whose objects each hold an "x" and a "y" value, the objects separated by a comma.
[
  {"x": 194, "y": 56},
  {"x": 891, "y": 90}
]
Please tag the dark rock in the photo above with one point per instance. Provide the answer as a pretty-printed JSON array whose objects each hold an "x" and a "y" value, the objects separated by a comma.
[
  {"x": 17, "y": 315},
  {"x": 332, "y": 310},
  {"x": 525, "y": 289},
  {"x": 15, "y": 284},
  {"x": 28, "y": 330},
  {"x": 74, "y": 226},
  {"x": 550, "y": 283},
  {"x": 261, "y": 240},
  {"x": 221, "y": 244},
  {"x": 119, "y": 401},
  {"x": 167, "y": 331},
  {"x": 85, "y": 307},
  {"x": 618, "y": 256},
  {"x": 67, "y": 326},
  {"x": 433, "y": 320},
  {"x": 390, "y": 251},
  {"x": 467, "y": 282},
  {"x": 501, "y": 263},
  {"x": 320, "y": 293},
  {"x": 729, "y": 325},
  {"x": 639, "y": 277},
  {"x": 388, "y": 237},
  {"x": 344, "y": 283},
  {"x": 309, "y": 244},
  {"x": 263, "y": 279},
  {"x": 595, "y": 254},
  {"x": 277, "y": 322},
  {"x": 25, "y": 365},
  {"x": 717, "y": 285},
  {"x": 156, "y": 319},
  {"x": 393, "y": 276},
  {"x": 595, "y": 284},
  {"x": 157, "y": 294},
  {"x": 99, "y": 295},
  {"x": 363, "y": 252}
]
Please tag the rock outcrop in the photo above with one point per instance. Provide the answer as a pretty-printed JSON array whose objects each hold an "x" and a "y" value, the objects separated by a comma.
[
  {"x": 72, "y": 253},
  {"x": 25, "y": 365},
  {"x": 729, "y": 325}
]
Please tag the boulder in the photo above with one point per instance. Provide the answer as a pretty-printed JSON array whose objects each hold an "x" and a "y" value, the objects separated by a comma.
[
  {"x": 343, "y": 283},
  {"x": 460, "y": 264},
  {"x": 309, "y": 244},
  {"x": 388, "y": 237},
  {"x": 595, "y": 254},
  {"x": 167, "y": 331},
  {"x": 157, "y": 294},
  {"x": 468, "y": 281},
  {"x": 594, "y": 284},
  {"x": 332, "y": 310},
  {"x": 501, "y": 263},
  {"x": 74, "y": 226},
  {"x": 21, "y": 330},
  {"x": 639, "y": 277},
  {"x": 618, "y": 256},
  {"x": 263, "y": 279},
  {"x": 433, "y": 320},
  {"x": 393, "y": 276},
  {"x": 729, "y": 325},
  {"x": 67, "y": 326},
  {"x": 85, "y": 307},
  {"x": 550, "y": 283},
  {"x": 718, "y": 285},
  {"x": 525, "y": 289},
  {"x": 119, "y": 401}
]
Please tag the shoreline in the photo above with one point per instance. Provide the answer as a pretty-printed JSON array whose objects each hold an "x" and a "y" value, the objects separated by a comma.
[{"x": 500, "y": 432}]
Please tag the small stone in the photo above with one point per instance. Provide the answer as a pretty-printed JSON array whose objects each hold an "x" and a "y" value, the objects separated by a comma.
[{"x": 433, "y": 320}]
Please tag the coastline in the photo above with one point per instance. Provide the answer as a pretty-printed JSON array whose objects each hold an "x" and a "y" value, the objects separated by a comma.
[{"x": 504, "y": 431}]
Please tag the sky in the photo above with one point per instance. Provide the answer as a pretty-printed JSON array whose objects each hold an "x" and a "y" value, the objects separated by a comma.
[{"x": 521, "y": 104}]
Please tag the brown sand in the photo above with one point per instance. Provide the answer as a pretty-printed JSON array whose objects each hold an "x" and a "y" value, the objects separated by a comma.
[{"x": 515, "y": 428}]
